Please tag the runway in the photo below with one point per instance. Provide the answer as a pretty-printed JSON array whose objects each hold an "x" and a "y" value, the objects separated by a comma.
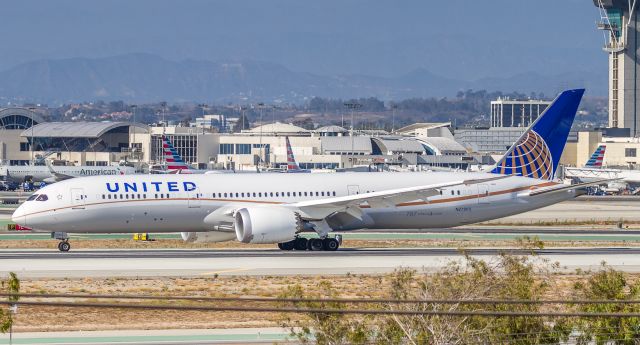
[{"x": 262, "y": 262}]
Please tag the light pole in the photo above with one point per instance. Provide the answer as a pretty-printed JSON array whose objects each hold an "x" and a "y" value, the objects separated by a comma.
[
  {"x": 393, "y": 117},
  {"x": 203, "y": 107},
  {"x": 133, "y": 144},
  {"x": 31, "y": 145},
  {"x": 352, "y": 106},
  {"x": 261, "y": 107}
]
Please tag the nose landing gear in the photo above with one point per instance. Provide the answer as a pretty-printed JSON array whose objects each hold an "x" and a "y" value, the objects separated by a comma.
[{"x": 64, "y": 244}]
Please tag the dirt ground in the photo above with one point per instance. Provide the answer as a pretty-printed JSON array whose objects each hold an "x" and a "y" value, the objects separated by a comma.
[
  {"x": 60, "y": 319},
  {"x": 396, "y": 243}
]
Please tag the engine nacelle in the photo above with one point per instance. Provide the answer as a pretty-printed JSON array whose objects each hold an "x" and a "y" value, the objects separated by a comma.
[
  {"x": 266, "y": 224},
  {"x": 207, "y": 237}
]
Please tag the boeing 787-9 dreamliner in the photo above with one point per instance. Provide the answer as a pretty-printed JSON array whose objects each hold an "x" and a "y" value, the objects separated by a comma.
[{"x": 276, "y": 208}]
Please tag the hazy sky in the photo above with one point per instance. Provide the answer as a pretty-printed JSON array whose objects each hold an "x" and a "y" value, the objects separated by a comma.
[{"x": 460, "y": 39}]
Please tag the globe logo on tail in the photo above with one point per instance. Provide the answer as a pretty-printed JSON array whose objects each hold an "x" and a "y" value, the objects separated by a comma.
[{"x": 530, "y": 157}]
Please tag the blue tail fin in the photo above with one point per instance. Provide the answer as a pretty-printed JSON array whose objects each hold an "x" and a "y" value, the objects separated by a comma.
[
  {"x": 596, "y": 158},
  {"x": 537, "y": 153}
]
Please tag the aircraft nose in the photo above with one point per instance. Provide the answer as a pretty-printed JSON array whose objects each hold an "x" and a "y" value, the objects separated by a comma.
[{"x": 19, "y": 216}]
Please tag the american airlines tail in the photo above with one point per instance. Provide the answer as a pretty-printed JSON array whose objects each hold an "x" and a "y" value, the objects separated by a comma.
[
  {"x": 596, "y": 158},
  {"x": 172, "y": 158},
  {"x": 291, "y": 160},
  {"x": 537, "y": 153}
]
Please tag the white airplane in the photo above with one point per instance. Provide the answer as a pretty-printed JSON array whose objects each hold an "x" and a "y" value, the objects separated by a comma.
[
  {"x": 51, "y": 174},
  {"x": 276, "y": 208},
  {"x": 593, "y": 170}
]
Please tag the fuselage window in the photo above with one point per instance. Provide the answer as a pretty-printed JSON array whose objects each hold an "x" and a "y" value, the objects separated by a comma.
[
  {"x": 138, "y": 196},
  {"x": 452, "y": 193},
  {"x": 305, "y": 193},
  {"x": 167, "y": 196},
  {"x": 317, "y": 194},
  {"x": 242, "y": 195},
  {"x": 288, "y": 193},
  {"x": 225, "y": 195},
  {"x": 103, "y": 196},
  {"x": 334, "y": 193},
  {"x": 271, "y": 193},
  {"x": 260, "y": 194},
  {"x": 144, "y": 196},
  {"x": 108, "y": 196},
  {"x": 277, "y": 193},
  {"x": 237, "y": 195},
  {"x": 458, "y": 192},
  {"x": 121, "y": 196},
  {"x": 155, "y": 196},
  {"x": 322, "y": 193},
  {"x": 126, "y": 196}
]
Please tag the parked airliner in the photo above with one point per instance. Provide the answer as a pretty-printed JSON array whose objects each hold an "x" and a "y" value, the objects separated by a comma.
[
  {"x": 51, "y": 174},
  {"x": 276, "y": 208},
  {"x": 594, "y": 170}
]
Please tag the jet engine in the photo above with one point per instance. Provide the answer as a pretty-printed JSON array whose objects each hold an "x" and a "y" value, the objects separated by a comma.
[
  {"x": 207, "y": 237},
  {"x": 266, "y": 224}
]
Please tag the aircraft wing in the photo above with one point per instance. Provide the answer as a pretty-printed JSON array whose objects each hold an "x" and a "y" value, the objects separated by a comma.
[
  {"x": 322, "y": 208},
  {"x": 556, "y": 189}
]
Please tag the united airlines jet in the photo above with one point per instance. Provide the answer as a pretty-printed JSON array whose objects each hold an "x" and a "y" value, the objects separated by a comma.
[{"x": 277, "y": 208}]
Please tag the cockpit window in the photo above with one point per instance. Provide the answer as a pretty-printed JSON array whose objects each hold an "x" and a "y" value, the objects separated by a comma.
[
  {"x": 42, "y": 197},
  {"x": 32, "y": 197}
]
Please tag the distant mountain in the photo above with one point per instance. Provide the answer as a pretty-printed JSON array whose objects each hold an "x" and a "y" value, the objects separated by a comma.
[{"x": 146, "y": 78}]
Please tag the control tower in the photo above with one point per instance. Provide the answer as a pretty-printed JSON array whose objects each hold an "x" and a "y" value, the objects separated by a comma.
[{"x": 619, "y": 23}]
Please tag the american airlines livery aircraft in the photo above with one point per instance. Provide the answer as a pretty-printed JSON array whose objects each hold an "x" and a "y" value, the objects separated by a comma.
[
  {"x": 51, "y": 174},
  {"x": 276, "y": 208},
  {"x": 593, "y": 170}
]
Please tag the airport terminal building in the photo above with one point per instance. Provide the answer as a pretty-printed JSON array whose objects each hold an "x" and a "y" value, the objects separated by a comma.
[{"x": 27, "y": 137}]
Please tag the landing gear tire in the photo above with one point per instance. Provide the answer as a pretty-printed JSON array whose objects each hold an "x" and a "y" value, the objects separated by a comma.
[
  {"x": 287, "y": 245},
  {"x": 330, "y": 244},
  {"x": 64, "y": 246},
  {"x": 300, "y": 243},
  {"x": 315, "y": 244}
]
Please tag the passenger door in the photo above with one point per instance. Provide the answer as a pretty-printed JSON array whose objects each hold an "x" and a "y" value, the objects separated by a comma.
[
  {"x": 483, "y": 193},
  {"x": 78, "y": 198},
  {"x": 353, "y": 189}
]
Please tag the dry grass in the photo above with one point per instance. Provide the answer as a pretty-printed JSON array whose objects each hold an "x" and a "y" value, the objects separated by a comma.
[{"x": 67, "y": 319}]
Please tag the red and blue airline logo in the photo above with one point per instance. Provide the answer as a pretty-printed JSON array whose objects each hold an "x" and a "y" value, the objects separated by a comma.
[
  {"x": 171, "y": 156},
  {"x": 597, "y": 157}
]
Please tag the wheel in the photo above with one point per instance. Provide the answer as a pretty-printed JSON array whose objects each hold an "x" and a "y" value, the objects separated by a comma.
[
  {"x": 300, "y": 243},
  {"x": 315, "y": 244},
  {"x": 330, "y": 244},
  {"x": 64, "y": 246},
  {"x": 287, "y": 245}
]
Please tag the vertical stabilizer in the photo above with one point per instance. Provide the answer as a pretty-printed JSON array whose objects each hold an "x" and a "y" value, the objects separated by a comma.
[
  {"x": 537, "y": 153},
  {"x": 596, "y": 158},
  {"x": 171, "y": 157}
]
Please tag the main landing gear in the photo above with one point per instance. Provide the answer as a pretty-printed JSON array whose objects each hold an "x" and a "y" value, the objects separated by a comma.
[
  {"x": 64, "y": 244},
  {"x": 315, "y": 244}
]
